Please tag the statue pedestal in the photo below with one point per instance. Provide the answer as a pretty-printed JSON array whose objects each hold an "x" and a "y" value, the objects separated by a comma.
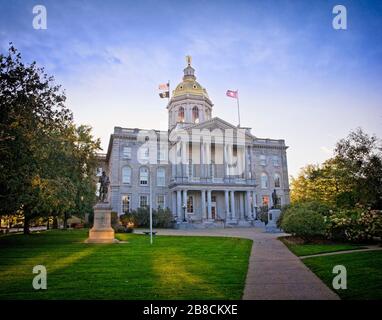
[
  {"x": 102, "y": 232},
  {"x": 273, "y": 216}
]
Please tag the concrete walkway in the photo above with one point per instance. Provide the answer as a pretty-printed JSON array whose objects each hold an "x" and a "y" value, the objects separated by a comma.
[
  {"x": 368, "y": 248},
  {"x": 274, "y": 273}
]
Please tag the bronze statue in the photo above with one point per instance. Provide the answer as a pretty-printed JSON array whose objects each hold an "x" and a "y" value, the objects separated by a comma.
[
  {"x": 104, "y": 187},
  {"x": 275, "y": 199}
]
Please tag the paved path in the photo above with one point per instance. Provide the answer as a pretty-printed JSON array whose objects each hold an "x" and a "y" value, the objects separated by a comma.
[
  {"x": 368, "y": 248},
  {"x": 274, "y": 273}
]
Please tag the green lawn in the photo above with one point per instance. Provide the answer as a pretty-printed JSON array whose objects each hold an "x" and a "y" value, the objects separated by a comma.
[
  {"x": 364, "y": 273},
  {"x": 173, "y": 267},
  {"x": 309, "y": 249}
]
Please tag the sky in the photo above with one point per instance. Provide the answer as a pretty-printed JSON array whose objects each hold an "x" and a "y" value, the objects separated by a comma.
[{"x": 299, "y": 79}]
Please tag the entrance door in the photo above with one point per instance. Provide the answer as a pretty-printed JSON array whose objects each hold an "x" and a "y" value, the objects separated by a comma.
[
  {"x": 213, "y": 207},
  {"x": 213, "y": 211}
]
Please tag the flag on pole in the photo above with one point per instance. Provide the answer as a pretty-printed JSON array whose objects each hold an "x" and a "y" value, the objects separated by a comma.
[
  {"x": 231, "y": 94},
  {"x": 165, "y": 94},
  {"x": 164, "y": 86}
]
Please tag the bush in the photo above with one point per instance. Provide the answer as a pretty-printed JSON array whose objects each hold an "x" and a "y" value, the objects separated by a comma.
[
  {"x": 114, "y": 218},
  {"x": 355, "y": 225},
  {"x": 263, "y": 214},
  {"x": 162, "y": 218},
  {"x": 122, "y": 229},
  {"x": 302, "y": 221}
]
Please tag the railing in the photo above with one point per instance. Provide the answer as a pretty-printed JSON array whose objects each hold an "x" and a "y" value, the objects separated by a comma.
[{"x": 211, "y": 181}]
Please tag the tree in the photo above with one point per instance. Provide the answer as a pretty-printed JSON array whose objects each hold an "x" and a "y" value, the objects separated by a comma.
[
  {"x": 48, "y": 163},
  {"x": 353, "y": 175},
  {"x": 359, "y": 162}
]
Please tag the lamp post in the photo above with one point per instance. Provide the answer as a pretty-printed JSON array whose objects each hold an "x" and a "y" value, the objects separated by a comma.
[{"x": 184, "y": 212}]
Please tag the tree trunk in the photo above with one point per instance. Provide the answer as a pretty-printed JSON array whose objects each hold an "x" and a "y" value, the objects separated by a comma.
[
  {"x": 26, "y": 224},
  {"x": 47, "y": 225},
  {"x": 65, "y": 221},
  {"x": 55, "y": 222}
]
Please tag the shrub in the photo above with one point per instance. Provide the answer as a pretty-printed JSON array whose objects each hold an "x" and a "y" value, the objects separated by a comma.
[
  {"x": 355, "y": 225},
  {"x": 263, "y": 214},
  {"x": 303, "y": 222},
  {"x": 114, "y": 218},
  {"x": 122, "y": 229},
  {"x": 162, "y": 218}
]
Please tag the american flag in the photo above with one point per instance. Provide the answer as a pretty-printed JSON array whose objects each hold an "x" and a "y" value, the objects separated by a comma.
[
  {"x": 164, "y": 86},
  {"x": 231, "y": 94}
]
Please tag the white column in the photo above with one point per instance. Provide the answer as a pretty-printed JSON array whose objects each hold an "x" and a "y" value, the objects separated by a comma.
[
  {"x": 233, "y": 204},
  {"x": 173, "y": 199},
  {"x": 209, "y": 204},
  {"x": 249, "y": 209},
  {"x": 241, "y": 205},
  {"x": 226, "y": 204},
  {"x": 202, "y": 175},
  {"x": 254, "y": 203},
  {"x": 184, "y": 199},
  {"x": 179, "y": 204},
  {"x": 203, "y": 204}
]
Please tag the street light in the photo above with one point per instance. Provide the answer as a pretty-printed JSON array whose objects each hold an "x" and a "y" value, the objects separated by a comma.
[{"x": 184, "y": 211}]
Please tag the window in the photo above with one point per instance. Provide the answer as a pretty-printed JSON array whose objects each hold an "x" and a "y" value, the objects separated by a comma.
[
  {"x": 126, "y": 203},
  {"x": 195, "y": 115},
  {"x": 180, "y": 115},
  {"x": 144, "y": 153},
  {"x": 143, "y": 176},
  {"x": 277, "y": 180},
  {"x": 161, "y": 177},
  {"x": 276, "y": 161},
  {"x": 126, "y": 175},
  {"x": 160, "y": 201},
  {"x": 263, "y": 160},
  {"x": 190, "y": 204},
  {"x": 126, "y": 152},
  {"x": 265, "y": 201},
  {"x": 161, "y": 153},
  {"x": 99, "y": 172},
  {"x": 264, "y": 181},
  {"x": 143, "y": 201}
]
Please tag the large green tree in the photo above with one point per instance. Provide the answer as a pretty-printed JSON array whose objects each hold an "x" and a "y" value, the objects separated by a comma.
[
  {"x": 48, "y": 163},
  {"x": 353, "y": 175}
]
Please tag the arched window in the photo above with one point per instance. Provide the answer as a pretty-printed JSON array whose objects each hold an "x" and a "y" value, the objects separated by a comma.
[
  {"x": 180, "y": 115},
  {"x": 277, "y": 179},
  {"x": 126, "y": 175},
  {"x": 161, "y": 177},
  {"x": 264, "y": 181},
  {"x": 143, "y": 176},
  {"x": 195, "y": 114}
]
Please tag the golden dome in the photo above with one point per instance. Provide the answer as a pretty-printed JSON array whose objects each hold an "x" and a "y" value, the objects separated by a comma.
[{"x": 189, "y": 85}]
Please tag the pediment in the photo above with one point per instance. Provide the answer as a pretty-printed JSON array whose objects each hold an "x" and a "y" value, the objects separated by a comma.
[{"x": 216, "y": 123}]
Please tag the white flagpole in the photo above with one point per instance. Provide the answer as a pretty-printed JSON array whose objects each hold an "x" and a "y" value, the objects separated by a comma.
[
  {"x": 151, "y": 207},
  {"x": 238, "y": 106}
]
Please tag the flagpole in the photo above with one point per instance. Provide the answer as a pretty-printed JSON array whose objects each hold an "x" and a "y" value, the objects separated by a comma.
[
  {"x": 151, "y": 207},
  {"x": 238, "y": 105}
]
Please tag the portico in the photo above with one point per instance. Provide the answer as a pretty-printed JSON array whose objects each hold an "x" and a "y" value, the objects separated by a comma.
[{"x": 228, "y": 204}]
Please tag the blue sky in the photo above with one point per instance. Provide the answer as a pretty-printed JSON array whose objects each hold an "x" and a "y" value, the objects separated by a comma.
[{"x": 298, "y": 78}]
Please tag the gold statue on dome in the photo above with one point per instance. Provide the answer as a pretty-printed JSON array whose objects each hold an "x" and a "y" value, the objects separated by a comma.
[{"x": 188, "y": 60}]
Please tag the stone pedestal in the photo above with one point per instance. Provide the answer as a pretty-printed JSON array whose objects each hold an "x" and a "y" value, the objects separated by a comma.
[
  {"x": 273, "y": 216},
  {"x": 102, "y": 232}
]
